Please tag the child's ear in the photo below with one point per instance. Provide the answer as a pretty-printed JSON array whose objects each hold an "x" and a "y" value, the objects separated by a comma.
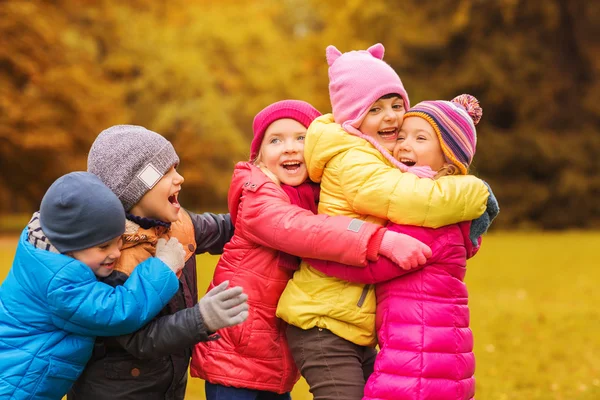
[
  {"x": 377, "y": 50},
  {"x": 332, "y": 54}
]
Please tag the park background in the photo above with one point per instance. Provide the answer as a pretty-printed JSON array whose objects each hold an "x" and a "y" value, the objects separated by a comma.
[{"x": 197, "y": 71}]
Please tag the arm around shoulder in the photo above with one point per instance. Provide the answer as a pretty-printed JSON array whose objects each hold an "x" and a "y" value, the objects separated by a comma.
[
  {"x": 373, "y": 187},
  {"x": 81, "y": 304}
]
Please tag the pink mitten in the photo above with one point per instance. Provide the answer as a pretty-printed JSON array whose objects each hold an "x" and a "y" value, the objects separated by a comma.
[{"x": 404, "y": 250}]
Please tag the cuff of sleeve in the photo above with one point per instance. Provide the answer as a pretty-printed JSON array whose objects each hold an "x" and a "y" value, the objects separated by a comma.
[
  {"x": 375, "y": 244},
  {"x": 203, "y": 334}
]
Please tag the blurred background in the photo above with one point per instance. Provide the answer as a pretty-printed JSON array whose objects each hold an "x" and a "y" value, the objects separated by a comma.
[{"x": 197, "y": 71}]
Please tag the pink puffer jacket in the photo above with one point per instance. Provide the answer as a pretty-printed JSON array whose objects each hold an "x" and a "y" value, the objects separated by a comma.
[{"x": 422, "y": 319}]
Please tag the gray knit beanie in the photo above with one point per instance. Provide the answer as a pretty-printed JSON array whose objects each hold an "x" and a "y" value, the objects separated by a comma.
[
  {"x": 130, "y": 160},
  {"x": 78, "y": 212}
]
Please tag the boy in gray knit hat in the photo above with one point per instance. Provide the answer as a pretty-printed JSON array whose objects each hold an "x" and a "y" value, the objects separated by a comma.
[
  {"x": 51, "y": 302},
  {"x": 139, "y": 166}
]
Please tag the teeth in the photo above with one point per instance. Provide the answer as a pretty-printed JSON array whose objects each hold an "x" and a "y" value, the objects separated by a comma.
[{"x": 291, "y": 163}]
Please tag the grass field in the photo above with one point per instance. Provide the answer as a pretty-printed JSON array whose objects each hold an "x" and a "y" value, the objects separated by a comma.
[{"x": 534, "y": 301}]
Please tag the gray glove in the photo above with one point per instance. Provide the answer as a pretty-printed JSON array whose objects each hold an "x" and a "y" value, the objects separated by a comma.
[
  {"x": 171, "y": 253},
  {"x": 222, "y": 307}
]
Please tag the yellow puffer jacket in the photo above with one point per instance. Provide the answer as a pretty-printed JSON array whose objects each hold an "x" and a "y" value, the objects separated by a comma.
[{"x": 357, "y": 181}]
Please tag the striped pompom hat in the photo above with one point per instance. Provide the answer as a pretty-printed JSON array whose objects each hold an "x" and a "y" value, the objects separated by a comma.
[{"x": 454, "y": 123}]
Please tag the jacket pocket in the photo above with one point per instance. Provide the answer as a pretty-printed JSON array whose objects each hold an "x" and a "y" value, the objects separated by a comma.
[
  {"x": 58, "y": 379},
  {"x": 262, "y": 337},
  {"x": 133, "y": 369},
  {"x": 363, "y": 296}
]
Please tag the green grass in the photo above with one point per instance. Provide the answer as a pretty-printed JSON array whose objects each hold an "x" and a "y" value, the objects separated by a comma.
[{"x": 534, "y": 301}]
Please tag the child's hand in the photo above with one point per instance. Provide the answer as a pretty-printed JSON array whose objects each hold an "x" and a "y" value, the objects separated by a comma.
[
  {"x": 222, "y": 307},
  {"x": 404, "y": 250},
  {"x": 171, "y": 253}
]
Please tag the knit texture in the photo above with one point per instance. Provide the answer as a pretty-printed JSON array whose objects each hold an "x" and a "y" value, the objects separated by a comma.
[
  {"x": 130, "y": 160},
  {"x": 454, "y": 124},
  {"x": 37, "y": 237},
  {"x": 297, "y": 110},
  {"x": 78, "y": 212},
  {"x": 358, "y": 79}
]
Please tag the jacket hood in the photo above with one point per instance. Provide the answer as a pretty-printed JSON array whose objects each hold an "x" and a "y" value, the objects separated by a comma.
[
  {"x": 324, "y": 140},
  {"x": 35, "y": 257}
]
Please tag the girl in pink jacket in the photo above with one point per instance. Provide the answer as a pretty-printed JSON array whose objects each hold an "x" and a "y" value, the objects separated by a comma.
[
  {"x": 422, "y": 317},
  {"x": 273, "y": 208}
]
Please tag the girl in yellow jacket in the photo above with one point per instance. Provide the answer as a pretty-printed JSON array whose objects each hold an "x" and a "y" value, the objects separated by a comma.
[{"x": 331, "y": 329}]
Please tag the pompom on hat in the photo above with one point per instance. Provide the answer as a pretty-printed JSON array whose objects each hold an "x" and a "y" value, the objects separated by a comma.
[
  {"x": 297, "y": 110},
  {"x": 454, "y": 123}
]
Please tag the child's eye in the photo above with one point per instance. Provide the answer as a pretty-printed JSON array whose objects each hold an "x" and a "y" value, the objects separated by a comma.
[
  {"x": 421, "y": 138},
  {"x": 275, "y": 141},
  {"x": 399, "y": 106},
  {"x": 374, "y": 110},
  {"x": 103, "y": 246},
  {"x": 301, "y": 138}
]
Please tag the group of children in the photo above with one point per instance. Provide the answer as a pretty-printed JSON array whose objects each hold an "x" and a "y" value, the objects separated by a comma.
[{"x": 102, "y": 299}]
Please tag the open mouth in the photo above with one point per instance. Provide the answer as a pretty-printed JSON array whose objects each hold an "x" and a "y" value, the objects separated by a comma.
[
  {"x": 291, "y": 166},
  {"x": 408, "y": 162},
  {"x": 173, "y": 200},
  {"x": 109, "y": 265},
  {"x": 388, "y": 133}
]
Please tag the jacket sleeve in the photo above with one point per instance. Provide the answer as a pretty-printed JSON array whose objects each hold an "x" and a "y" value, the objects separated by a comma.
[
  {"x": 165, "y": 334},
  {"x": 268, "y": 219},
  {"x": 372, "y": 187},
  {"x": 378, "y": 271},
  {"x": 82, "y": 305},
  {"x": 212, "y": 232}
]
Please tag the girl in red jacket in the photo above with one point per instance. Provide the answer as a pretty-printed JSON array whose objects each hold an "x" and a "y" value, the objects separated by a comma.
[{"x": 273, "y": 208}]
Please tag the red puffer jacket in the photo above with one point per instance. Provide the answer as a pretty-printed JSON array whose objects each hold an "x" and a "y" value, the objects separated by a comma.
[{"x": 255, "y": 354}]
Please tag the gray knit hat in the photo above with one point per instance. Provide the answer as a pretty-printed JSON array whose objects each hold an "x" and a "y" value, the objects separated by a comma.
[
  {"x": 78, "y": 212},
  {"x": 130, "y": 160}
]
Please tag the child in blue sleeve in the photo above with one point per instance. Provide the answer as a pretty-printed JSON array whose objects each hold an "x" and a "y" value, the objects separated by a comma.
[{"x": 52, "y": 305}]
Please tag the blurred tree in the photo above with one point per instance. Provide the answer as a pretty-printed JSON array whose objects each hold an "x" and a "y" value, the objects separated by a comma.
[
  {"x": 53, "y": 98},
  {"x": 198, "y": 71},
  {"x": 534, "y": 67}
]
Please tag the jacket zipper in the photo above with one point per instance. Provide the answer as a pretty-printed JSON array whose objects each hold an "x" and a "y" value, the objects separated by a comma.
[{"x": 363, "y": 295}]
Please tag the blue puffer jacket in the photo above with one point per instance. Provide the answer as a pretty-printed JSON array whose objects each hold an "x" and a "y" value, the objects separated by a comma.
[{"x": 52, "y": 307}]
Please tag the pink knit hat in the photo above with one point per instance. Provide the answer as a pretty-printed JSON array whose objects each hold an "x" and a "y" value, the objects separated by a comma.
[
  {"x": 297, "y": 110},
  {"x": 357, "y": 79}
]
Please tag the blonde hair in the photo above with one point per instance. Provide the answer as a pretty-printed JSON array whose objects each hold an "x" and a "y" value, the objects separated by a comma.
[
  {"x": 264, "y": 169},
  {"x": 447, "y": 169}
]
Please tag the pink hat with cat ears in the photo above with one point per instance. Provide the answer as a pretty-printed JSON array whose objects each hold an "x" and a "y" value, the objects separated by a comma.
[{"x": 357, "y": 79}]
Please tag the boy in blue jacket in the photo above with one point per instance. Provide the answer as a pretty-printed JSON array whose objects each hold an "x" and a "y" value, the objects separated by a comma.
[{"x": 51, "y": 304}]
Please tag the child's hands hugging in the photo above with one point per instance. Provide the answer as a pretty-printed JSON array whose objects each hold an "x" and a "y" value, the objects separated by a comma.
[
  {"x": 222, "y": 307},
  {"x": 171, "y": 253}
]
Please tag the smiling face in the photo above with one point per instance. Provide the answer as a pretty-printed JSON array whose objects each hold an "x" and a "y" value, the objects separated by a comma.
[
  {"x": 383, "y": 120},
  {"x": 161, "y": 202},
  {"x": 102, "y": 258},
  {"x": 418, "y": 145},
  {"x": 282, "y": 151}
]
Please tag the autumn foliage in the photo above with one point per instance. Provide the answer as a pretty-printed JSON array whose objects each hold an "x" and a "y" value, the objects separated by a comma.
[{"x": 198, "y": 71}]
